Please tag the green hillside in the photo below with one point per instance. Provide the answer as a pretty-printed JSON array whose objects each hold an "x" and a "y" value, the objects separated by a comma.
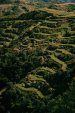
[{"x": 37, "y": 59}]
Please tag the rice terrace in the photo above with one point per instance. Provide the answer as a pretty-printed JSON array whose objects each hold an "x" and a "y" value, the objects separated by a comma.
[{"x": 37, "y": 56}]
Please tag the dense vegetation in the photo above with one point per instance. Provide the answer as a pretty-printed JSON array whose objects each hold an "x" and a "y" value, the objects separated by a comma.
[{"x": 37, "y": 63}]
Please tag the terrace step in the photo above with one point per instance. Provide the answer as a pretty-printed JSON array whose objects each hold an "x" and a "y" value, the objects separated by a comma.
[
  {"x": 64, "y": 65},
  {"x": 29, "y": 90}
]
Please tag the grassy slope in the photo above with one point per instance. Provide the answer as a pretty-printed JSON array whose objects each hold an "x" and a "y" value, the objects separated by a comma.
[{"x": 21, "y": 46}]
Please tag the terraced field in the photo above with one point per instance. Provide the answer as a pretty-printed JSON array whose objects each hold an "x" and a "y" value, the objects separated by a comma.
[
  {"x": 52, "y": 41},
  {"x": 37, "y": 58}
]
